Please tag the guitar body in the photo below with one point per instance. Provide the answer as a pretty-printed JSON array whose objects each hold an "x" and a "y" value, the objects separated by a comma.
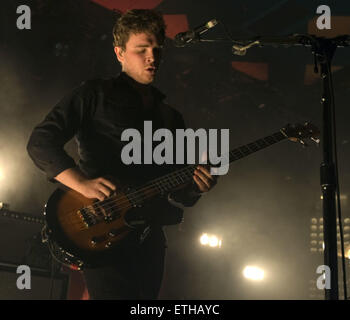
[{"x": 81, "y": 226}]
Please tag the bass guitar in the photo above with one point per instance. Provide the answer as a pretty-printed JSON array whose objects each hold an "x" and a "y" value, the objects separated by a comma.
[{"x": 82, "y": 228}]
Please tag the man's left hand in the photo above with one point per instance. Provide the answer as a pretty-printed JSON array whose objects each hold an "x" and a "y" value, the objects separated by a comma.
[{"x": 204, "y": 180}]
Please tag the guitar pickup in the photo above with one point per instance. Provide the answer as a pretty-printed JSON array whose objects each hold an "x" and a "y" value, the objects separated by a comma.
[{"x": 87, "y": 217}]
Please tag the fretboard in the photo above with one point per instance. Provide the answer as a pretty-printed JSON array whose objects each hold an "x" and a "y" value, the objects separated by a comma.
[
  {"x": 255, "y": 146},
  {"x": 179, "y": 178}
]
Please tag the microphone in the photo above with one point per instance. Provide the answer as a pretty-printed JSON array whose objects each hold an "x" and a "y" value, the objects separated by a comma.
[{"x": 183, "y": 38}]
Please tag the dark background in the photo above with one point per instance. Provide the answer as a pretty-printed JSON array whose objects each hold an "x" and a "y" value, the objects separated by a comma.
[{"x": 263, "y": 206}]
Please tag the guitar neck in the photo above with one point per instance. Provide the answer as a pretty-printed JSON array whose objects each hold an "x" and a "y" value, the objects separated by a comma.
[
  {"x": 180, "y": 178},
  {"x": 255, "y": 146}
]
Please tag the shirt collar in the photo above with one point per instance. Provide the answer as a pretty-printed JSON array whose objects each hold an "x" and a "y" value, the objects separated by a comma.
[{"x": 139, "y": 87}]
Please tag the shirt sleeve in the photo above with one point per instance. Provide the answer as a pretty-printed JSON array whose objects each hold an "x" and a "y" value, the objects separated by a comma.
[{"x": 46, "y": 143}]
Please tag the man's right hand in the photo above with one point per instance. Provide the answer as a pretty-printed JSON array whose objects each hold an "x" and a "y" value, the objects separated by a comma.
[{"x": 98, "y": 188}]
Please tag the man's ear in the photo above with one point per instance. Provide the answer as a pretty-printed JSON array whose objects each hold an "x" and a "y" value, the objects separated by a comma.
[{"x": 119, "y": 52}]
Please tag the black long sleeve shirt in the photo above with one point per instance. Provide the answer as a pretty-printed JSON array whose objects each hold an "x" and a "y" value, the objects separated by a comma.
[{"x": 96, "y": 113}]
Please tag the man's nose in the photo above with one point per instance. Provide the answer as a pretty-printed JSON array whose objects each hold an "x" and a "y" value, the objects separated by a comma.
[
  {"x": 150, "y": 56},
  {"x": 154, "y": 55}
]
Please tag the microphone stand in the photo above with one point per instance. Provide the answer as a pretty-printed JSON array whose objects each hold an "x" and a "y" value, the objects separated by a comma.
[{"x": 324, "y": 50}]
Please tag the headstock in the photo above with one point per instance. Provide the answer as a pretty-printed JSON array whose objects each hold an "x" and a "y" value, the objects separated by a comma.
[{"x": 300, "y": 132}]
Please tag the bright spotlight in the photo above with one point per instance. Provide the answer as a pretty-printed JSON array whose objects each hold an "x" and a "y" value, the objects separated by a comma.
[
  {"x": 210, "y": 240},
  {"x": 1, "y": 175},
  {"x": 213, "y": 241},
  {"x": 204, "y": 239},
  {"x": 347, "y": 251},
  {"x": 253, "y": 273}
]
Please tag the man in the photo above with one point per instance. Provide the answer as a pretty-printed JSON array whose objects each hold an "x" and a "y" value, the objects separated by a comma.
[{"x": 96, "y": 113}]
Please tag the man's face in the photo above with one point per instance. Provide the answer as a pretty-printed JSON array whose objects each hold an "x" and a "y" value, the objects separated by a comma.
[{"x": 141, "y": 57}]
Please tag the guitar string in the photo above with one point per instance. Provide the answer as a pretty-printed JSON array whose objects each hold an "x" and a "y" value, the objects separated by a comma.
[
  {"x": 148, "y": 187},
  {"x": 145, "y": 195},
  {"x": 153, "y": 183},
  {"x": 119, "y": 209},
  {"x": 237, "y": 153},
  {"x": 114, "y": 199},
  {"x": 169, "y": 181},
  {"x": 120, "y": 206},
  {"x": 231, "y": 153},
  {"x": 129, "y": 205},
  {"x": 242, "y": 154},
  {"x": 140, "y": 195}
]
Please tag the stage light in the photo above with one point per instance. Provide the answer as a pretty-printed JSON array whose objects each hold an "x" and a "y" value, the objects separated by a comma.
[
  {"x": 347, "y": 250},
  {"x": 253, "y": 273},
  {"x": 210, "y": 240},
  {"x": 313, "y": 228},
  {"x": 204, "y": 239},
  {"x": 1, "y": 175},
  {"x": 213, "y": 241},
  {"x": 317, "y": 244}
]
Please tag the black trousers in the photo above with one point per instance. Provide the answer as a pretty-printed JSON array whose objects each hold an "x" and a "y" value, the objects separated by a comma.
[{"x": 136, "y": 272}]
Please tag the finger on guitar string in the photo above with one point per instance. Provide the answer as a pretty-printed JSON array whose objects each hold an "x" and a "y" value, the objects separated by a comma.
[
  {"x": 203, "y": 187},
  {"x": 107, "y": 183},
  {"x": 99, "y": 188},
  {"x": 205, "y": 170},
  {"x": 205, "y": 176}
]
